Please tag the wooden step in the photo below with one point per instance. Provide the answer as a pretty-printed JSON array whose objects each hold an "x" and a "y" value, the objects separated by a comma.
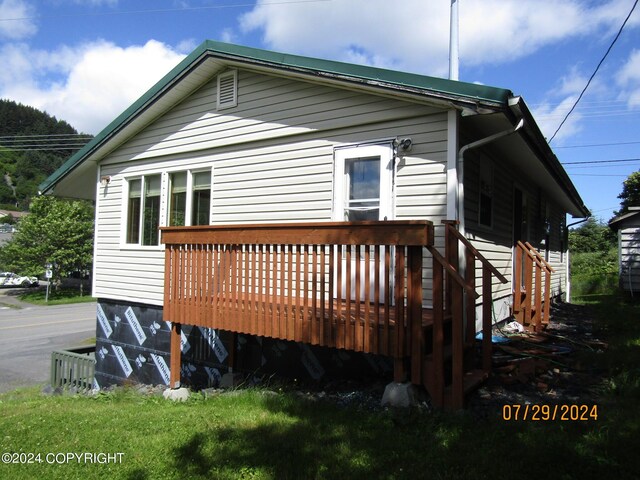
[{"x": 471, "y": 381}]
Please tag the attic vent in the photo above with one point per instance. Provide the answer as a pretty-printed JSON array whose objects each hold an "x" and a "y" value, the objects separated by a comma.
[{"x": 228, "y": 89}]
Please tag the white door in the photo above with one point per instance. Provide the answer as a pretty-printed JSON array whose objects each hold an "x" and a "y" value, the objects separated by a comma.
[{"x": 363, "y": 190}]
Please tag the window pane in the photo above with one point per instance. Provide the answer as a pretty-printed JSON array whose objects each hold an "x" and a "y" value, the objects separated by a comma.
[
  {"x": 485, "y": 207},
  {"x": 178, "y": 199},
  {"x": 364, "y": 178},
  {"x": 202, "y": 180},
  {"x": 201, "y": 198},
  {"x": 363, "y": 196},
  {"x": 133, "y": 212},
  {"x": 151, "y": 221},
  {"x": 201, "y": 207}
]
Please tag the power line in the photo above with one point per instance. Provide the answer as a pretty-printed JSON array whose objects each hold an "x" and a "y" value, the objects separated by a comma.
[
  {"x": 602, "y": 161},
  {"x": 158, "y": 10},
  {"x": 595, "y": 71},
  {"x": 597, "y": 145},
  {"x": 597, "y": 175}
]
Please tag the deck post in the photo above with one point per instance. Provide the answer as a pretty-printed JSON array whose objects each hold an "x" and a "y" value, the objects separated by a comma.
[
  {"x": 487, "y": 301},
  {"x": 174, "y": 362},
  {"x": 414, "y": 285}
]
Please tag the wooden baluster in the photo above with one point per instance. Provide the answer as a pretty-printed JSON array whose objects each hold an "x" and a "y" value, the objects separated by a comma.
[
  {"x": 291, "y": 318},
  {"x": 306, "y": 322},
  {"x": 331, "y": 337},
  {"x": 356, "y": 339},
  {"x": 528, "y": 298},
  {"x": 470, "y": 277},
  {"x": 386, "y": 348},
  {"x": 323, "y": 283},
  {"x": 339, "y": 325},
  {"x": 547, "y": 296},
  {"x": 537, "y": 320},
  {"x": 376, "y": 299},
  {"x": 315, "y": 324},
  {"x": 367, "y": 300},
  {"x": 347, "y": 320}
]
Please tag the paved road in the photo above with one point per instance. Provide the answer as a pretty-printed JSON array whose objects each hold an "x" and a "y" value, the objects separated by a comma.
[{"x": 28, "y": 335}]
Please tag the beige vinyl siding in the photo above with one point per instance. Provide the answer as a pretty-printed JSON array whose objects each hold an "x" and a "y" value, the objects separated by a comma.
[
  {"x": 272, "y": 159},
  {"x": 268, "y": 108},
  {"x": 495, "y": 242}
]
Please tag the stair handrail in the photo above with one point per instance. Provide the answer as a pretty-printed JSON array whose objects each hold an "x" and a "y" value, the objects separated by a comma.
[
  {"x": 538, "y": 255},
  {"x": 486, "y": 263}
]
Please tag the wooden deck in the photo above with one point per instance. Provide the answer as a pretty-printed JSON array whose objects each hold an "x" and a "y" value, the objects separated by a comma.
[{"x": 348, "y": 285}]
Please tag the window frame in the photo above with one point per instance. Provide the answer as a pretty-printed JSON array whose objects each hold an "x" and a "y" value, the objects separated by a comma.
[
  {"x": 124, "y": 237},
  {"x": 342, "y": 156},
  {"x": 486, "y": 172},
  {"x": 189, "y": 197},
  {"x": 164, "y": 205}
]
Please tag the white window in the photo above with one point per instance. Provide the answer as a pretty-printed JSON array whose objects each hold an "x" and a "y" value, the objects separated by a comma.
[
  {"x": 363, "y": 186},
  {"x": 227, "y": 89},
  {"x": 485, "y": 198},
  {"x": 189, "y": 198},
  {"x": 143, "y": 210}
]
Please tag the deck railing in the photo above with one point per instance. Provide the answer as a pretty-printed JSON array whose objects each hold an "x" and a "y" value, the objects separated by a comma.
[
  {"x": 532, "y": 293},
  {"x": 352, "y": 285},
  {"x": 74, "y": 367}
]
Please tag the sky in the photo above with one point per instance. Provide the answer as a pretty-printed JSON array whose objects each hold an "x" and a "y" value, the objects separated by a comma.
[{"x": 85, "y": 61}]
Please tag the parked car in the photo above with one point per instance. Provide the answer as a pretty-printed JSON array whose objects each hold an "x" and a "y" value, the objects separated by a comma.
[{"x": 10, "y": 279}]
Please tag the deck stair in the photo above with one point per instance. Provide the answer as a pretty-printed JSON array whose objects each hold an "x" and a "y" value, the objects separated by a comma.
[{"x": 532, "y": 288}]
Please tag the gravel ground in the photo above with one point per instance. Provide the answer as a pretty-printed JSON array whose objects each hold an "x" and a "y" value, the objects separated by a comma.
[{"x": 547, "y": 368}]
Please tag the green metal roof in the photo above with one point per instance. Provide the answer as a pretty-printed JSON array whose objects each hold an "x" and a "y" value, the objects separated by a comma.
[{"x": 371, "y": 76}]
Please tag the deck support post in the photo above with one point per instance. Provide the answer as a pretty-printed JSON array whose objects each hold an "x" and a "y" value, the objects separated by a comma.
[
  {"x": 233, "y": 346},
  {"x": 174, "y": 363},
  {"x": 398, "y": 370}
]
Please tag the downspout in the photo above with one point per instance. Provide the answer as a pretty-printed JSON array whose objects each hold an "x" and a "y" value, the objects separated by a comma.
[{"x": 460, "y": 168}]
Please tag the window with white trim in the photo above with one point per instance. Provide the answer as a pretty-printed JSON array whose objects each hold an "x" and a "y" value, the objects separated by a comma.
[
  {"x": 485, "y": 197},
  {"x": 143, "y": 210},
  {"x": 189, "y": 198},
  {"x": 363, "y": 183}
]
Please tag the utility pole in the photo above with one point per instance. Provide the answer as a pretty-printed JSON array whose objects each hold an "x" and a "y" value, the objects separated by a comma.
[{"x": 453, "y": 42}]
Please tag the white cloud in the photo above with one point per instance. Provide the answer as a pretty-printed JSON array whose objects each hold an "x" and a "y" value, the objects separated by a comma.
[
  {"x": 558, "y": 103},
  {"x": 413, "y": 35},
  {"x": 16, "y": 19},
  {"x": 628, "y": 78},
  {"x": 88, "y": 86}
]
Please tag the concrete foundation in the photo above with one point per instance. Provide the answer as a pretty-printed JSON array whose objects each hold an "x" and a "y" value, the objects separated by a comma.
[
  {"x": 177, "y": 394},
  {"x": 399, "y": 395}
]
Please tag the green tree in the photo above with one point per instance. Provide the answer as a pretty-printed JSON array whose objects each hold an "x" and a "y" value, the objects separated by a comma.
[
  {"x": 630, "y": 195},
  {"x": 56, "y": 231},
  {"x": 592, "y": 236}
]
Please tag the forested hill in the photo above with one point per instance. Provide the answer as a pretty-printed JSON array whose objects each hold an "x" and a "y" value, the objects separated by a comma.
[{"x": 33, "y": 144}]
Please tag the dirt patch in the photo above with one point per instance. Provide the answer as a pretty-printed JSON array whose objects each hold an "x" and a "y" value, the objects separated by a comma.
[{"x": 556, "y": 366}]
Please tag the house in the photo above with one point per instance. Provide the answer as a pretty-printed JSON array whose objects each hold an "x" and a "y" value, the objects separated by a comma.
[
  {"x": 258, "y": 193},
  {"x": 628, "y": 227}
]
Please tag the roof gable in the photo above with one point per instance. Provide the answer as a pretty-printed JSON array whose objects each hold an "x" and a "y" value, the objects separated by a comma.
[{"x": 212, "y": 56}]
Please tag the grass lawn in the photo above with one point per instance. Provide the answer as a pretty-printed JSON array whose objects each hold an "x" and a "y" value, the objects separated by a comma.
[
  {"x": 61, "y": 297},
  {"x": 254, "y": 434}
]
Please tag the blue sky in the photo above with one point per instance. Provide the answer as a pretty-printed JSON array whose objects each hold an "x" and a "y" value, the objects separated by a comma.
[{"x": 85, "y": 61}]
